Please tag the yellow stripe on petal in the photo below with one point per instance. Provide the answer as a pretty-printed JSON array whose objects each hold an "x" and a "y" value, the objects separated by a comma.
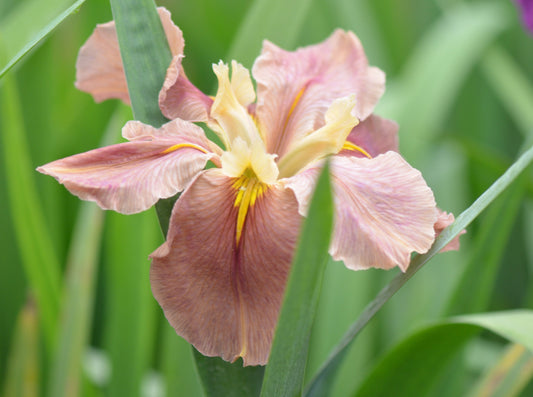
[
  {"x": 353, "y": 147},
  {"x": 249, "y": 189},
  {"x": 183, "y": 145}
]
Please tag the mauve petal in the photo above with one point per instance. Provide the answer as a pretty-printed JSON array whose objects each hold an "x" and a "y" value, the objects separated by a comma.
[
  {"x": 375, "y": 135},
  {"x": 443, "y": 221},
  {"x": 383, "y": 210},
  {"x": 130, "y": 177},
  {"x": 179, "y": 98},
  {"x": 172, "y": 32},
  {"x": 223, "y": 298},
  {"x": 99, "y": 69},
  {"x": 295, "y": 89}
]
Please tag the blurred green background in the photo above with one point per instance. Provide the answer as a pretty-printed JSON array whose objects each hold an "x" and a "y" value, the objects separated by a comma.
[{"x": 460, "y": 85}]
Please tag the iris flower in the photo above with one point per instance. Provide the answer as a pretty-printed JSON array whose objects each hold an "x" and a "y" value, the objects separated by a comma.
[{"x": 221, "y": 273}]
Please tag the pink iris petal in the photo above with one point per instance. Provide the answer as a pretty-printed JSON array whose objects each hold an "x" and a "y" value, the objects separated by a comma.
[
  {"x": 130, "y": 177},
  {"x": 99, "y": 71},
  {"x": 383, "y": 210},
  {"x": 222, "y": 297},
  {"x": 295, "y": 89},
  {"x": 180, "y": 98},
  {"x": 375, "y": 135},
  {"x": 99, "y": 68}
]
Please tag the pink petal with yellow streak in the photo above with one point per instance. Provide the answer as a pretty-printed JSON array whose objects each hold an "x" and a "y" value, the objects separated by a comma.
[
  {"x": 221, "y": 297},
  {"x": 179, "y": 98},
  {"x": 443, "y": 221},
  {"x": 384, "y": 210},
  {"x": 375, "y": 135},
  {"x": 130, "y": 177},
  {"x": 295, "y": 89},
  {"x": 99, "y": 69}
]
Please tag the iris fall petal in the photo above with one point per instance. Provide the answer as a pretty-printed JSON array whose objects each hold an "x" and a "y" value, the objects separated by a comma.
[
  {"x": 220, "y": 295},
  {"x": 384, "y": 210},
  {"x": 130, "y": 177}
]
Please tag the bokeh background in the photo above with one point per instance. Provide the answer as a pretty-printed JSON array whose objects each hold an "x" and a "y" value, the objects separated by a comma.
[{"x": 460, "y": 85}]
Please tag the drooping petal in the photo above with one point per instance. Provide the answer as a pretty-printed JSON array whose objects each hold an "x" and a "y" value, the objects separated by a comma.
[
  {"x": 183, "y": 131},
  {"x": 295, "y": 89},
  {"x": 375, "y": 135},
  {"x": 99, "y": 69},
  {"x": 221, "y": 296},
  {"x": 383, "y": 210},
  {"x": 443, "y": 221},
  {"x": 179, "y": 98},
  {"x": 130, "y": 177}
]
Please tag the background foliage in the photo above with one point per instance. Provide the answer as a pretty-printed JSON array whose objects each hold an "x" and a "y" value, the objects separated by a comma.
[{"x": 459, "y": 84}]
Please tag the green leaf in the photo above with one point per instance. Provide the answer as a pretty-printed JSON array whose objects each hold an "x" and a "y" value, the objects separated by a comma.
[
  {"x": 78, "y": 300},
  {"x": 322, "y": 381},
  {"x": 22, "y": 378},
  {"x": 38, "y": 257},
  {"x": 178, "y": 365},
  {"x": 430, "y": 349},
  {"x": 129, "y": 332},
  {"x": 425, "y": 91},
  {"x": 29, "y": 24},
  {"x": 512, "y": 87},
  {"x": 509, "y": 376},
  {"x": 279, "y": 21},
  {"x": 285, "y": 372},
  {"x": 473, "y": 291},
  {"x": 223, "y": 379},
  {"x": 145, "y": 55}
]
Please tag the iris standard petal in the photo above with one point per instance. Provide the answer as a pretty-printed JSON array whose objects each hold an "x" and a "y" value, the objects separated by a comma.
[
  {"x": 383, "y": 210},
  {"x": 130, "y": 177},
  {"x": 221, "y": 295},
  {"x": 99, "y": 69},
  {"x": 295, "y": 89},
  {"x": 375, "y": 135}
]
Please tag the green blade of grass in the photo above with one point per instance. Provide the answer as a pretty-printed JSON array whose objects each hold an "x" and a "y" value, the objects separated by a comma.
[
  {"x": 512, "y": 87},
  {"x": 177, "y": 364},
  {"x": 145, "y": 55},
  {"x": 22, "y": 378},
  {"x": 284, "y": 375},
  {"x": 38, "y": 257},
  {"x": 508, "y": 376},
  {"x": 78, "y": 300},
  {"x": 431, "y": 79},
  {"x": 131, "y": 319},
  {"x": 427, "y": 359},
  {"x": 279, "y": 21},
  {"x": 473, "y": 291},
  {"x": 223, "y": 379},
  {"x": 325, "y": 376},
  {"x": 29, "y": 24}
]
